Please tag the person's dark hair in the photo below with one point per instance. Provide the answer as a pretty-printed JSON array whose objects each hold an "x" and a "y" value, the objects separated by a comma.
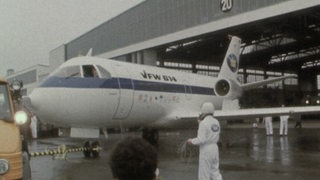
[{"x": 133, "y": 158}]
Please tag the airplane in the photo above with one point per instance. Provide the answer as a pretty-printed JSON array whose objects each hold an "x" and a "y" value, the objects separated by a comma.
[{"x": 89, "y": 93}]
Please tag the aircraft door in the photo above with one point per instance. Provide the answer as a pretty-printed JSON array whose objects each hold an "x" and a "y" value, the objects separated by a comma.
[{"x": 126, "y": 92}]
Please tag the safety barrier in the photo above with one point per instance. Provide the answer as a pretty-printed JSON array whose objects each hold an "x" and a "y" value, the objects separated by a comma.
[{"x": 63, "y": 151}]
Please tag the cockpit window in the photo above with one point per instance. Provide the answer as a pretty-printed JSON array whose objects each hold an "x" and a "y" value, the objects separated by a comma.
[
  {"x": 71, "y": 71},
  {"x": 5, "y": 112},
  {"x": 90, "y": 71},
  {"x": 104, "y": 73}
]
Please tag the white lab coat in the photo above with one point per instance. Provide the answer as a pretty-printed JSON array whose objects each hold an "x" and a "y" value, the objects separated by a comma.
[
  {"x": 268, "y": 124},
  {"x": 207, "y": 138},
  {"x": 284, "y": 124}
]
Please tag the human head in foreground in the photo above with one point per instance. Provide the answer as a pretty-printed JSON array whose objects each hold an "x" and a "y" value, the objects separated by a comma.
[{"x": 133, "y": 158}]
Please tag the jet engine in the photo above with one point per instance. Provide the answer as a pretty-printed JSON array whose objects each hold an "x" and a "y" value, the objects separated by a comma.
[{"x": 228, "y": 88}]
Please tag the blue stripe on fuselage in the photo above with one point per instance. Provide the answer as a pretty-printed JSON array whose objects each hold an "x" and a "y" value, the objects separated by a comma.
[
  {"x": 125, "y": 83},
  {"x": 78, "y": 82}
]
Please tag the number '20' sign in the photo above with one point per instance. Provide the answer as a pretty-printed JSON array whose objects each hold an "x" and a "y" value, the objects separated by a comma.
[{"x": 226, "y": 5}]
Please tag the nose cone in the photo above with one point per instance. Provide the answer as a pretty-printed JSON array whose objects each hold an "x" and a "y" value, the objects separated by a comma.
[
  {"x": 42, "y": 103},
  {"x": 75, "y": 107}
]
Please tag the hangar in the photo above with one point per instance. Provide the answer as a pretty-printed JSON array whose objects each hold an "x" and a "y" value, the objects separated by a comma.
[{"x": 279, "y": 37}]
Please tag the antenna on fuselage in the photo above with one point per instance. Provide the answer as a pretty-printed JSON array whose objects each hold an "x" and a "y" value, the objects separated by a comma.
[{"x": 89, "y": 53}]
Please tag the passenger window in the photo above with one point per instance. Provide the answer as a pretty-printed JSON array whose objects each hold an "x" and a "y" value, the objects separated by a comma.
[
  {"x": 71, "y": 71},
  {"x": 104, "y": 73},
  {"x": 89, "y": 71}
]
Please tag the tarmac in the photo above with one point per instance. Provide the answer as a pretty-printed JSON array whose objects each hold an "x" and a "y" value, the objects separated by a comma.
[{"x": 245, "y": 153}]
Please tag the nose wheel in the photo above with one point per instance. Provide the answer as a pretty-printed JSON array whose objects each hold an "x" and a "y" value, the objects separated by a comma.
[
  {"x": 91, "y": 149},
  {"x": 151, "y": 135},
  {"x": 95, "y": 149}
]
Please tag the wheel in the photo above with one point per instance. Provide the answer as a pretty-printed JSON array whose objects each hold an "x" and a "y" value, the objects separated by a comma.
[
  {"x": 95, "y": 153},
  {"x": 155, "y": 137},
  {"x": 87, "y": 152},
  {"x": 151, "y": 135}
]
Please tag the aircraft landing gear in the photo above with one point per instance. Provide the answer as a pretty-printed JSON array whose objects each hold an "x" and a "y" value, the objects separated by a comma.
[
  {"x": 87, "y": 150},
  {"x": 151, "y": 135},
  {"x": 93, "y": 149}
]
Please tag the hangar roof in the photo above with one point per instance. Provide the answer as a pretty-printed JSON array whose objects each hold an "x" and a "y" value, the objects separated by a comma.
[{"x": 289, "y": 42}]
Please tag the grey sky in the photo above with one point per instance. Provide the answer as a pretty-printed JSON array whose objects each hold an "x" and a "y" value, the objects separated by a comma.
[{"x": 30, "y": 29}]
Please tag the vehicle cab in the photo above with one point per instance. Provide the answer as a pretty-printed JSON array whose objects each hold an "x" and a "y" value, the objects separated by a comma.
[{"x": 11, "y": 154}]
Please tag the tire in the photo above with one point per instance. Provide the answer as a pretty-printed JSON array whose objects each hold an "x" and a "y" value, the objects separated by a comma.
[
  {"x": 151, "y": 135},
  {"x": 87, "y": 152},
  {"x": 95, "y": 153}
]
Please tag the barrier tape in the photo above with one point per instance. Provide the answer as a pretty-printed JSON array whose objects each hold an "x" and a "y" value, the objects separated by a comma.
[{"x": 63, "y": 150}]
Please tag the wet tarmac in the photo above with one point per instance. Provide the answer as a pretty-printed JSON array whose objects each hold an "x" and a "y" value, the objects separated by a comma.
[{"x": 245, "y": 153}]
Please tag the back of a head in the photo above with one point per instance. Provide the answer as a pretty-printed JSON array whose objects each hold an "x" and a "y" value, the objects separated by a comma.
[
  {"x": 207, "y": 108},
  {"x": 133, "y": 158}
]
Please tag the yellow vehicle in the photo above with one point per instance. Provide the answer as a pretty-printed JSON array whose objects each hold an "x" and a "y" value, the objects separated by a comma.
[{"x": 11, "y": 153}]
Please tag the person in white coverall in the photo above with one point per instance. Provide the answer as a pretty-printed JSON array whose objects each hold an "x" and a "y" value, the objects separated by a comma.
[
  {"x": 268, "y": 125},
  {"x": 34, "y": 126},
  {"x": 207, "y": 139},
  {"x": 284, "y": 124}
]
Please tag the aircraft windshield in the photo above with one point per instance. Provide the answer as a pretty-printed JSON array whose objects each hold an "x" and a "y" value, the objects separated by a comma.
[
  {"x": 95, "y": 71},
  {"x": 83, "y": 71},
  {"x": 5, "y": 112},
  {"x": 67, "y": 72},
  {"x": 90, "y": 71},
  {"x": 104, "y": 73}
]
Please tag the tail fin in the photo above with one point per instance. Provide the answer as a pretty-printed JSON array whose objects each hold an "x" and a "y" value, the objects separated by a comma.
[{"x": 230, "y": 66}]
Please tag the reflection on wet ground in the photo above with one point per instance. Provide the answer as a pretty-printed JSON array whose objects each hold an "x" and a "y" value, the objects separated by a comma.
[
  {"x": 252, "y": 155},
  {"x": 244, "y": 154}
]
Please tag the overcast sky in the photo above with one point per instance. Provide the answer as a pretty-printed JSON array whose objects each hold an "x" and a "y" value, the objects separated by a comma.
[{"x": 30, "y": 29}]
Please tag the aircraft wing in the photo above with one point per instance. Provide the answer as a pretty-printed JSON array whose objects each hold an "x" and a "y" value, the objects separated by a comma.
[
  {"x": 185, "y": 118},
  {"x": 260, "y": 112},
  {"x": 264, "y": 82}
]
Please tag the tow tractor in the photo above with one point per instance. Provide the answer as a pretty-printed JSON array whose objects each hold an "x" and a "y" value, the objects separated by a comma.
[{"x": 14, "y": 160}]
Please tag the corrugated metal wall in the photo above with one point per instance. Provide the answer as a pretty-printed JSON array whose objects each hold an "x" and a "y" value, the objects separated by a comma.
[
  {"x": 27, "y": 77},
  {"x": 154, "y": 18}
]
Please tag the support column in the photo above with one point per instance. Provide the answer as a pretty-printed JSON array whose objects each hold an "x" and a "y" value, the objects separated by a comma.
[
  {"x": 140, "y": 57},
  {"x": 149, "y": 57},
  {"x": 194, "y": 69},
  {"x": 245, "y": 75}
]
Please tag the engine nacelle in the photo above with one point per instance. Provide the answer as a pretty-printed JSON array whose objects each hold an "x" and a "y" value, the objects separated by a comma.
[{"x": 228, "y": 88}]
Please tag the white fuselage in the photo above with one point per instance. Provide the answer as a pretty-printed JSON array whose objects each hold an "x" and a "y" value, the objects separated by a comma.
[
  {"x": 130, "y": 96},
  {"x": 91, "y": 93}
]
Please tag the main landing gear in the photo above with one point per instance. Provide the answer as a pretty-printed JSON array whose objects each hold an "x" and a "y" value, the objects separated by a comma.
[
  {"x": 151, "y": 135},
  {"x": 91, "y": 149}
]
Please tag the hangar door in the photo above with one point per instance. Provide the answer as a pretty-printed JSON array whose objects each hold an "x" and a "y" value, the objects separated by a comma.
[{"x": 125, "y": 92}]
